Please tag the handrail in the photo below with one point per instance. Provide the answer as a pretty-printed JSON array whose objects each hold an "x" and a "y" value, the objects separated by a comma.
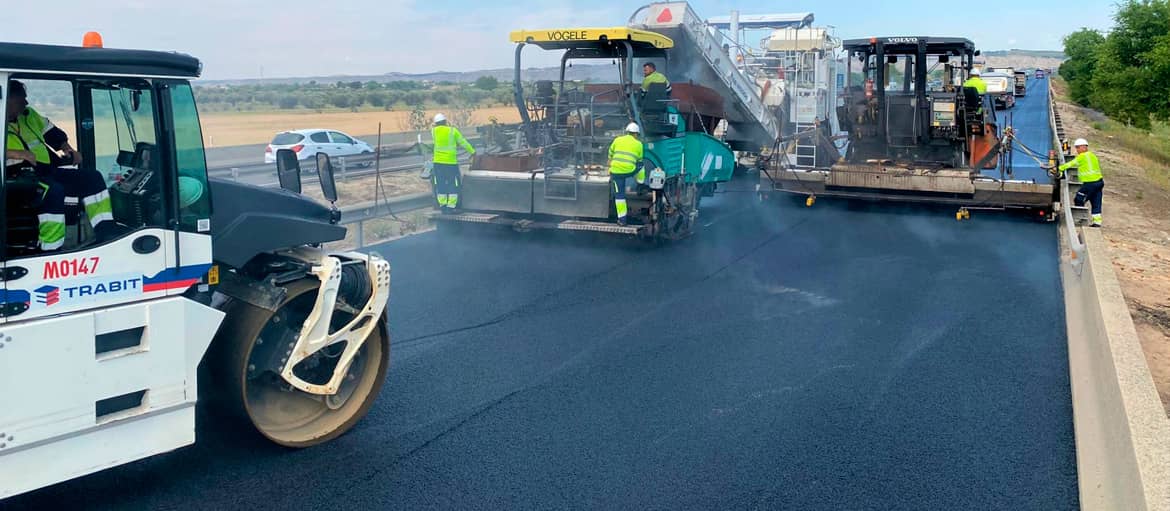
[{"x": 1074, "y": 239}]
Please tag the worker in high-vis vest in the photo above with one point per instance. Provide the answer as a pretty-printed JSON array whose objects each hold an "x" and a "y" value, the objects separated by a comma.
[
  {"x": 650, "y": 75},
  {"x": 29, "y": 131},
  {"x": 625, "y": 161},
  {"x": 445, "y": 175},
  {"x": 1089, "y": 174},
  {"x": 976, "y": 82},
  {"x": 48, "y": 199}
]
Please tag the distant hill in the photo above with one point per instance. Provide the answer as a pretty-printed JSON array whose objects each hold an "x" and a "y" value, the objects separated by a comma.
[
  {"x": 1016, "y": 58},
  {"x": 1047, "y": 54},
  {"x": 1024, "y": 59},
  {"x": 587, "y": 72}
]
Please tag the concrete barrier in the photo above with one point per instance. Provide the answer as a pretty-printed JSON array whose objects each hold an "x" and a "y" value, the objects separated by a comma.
[{"x": 1122, "y": 432}]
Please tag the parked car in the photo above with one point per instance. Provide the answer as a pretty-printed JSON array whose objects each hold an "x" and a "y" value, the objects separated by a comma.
[{"x": 307, "y": 143}]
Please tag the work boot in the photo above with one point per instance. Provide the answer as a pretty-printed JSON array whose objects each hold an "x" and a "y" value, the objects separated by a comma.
[
  {"x": 1094, "y": 224},
  {"x": 622, "y": 221}
]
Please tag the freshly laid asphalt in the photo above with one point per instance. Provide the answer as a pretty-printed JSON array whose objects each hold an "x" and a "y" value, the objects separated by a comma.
[
  {"x": 843, "y": 356},
  {"x": 1029, "y": 119}
]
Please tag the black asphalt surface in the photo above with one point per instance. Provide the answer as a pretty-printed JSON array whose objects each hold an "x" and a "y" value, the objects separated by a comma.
[{"x": 845, "y": 356}]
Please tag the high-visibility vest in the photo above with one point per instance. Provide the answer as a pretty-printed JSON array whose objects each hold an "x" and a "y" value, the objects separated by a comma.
[
  {"x": 624, "y": 155},
  {"x": 448, "y": 140},
  {"x": 27, "y": 133},
  {"x": 654, "y": 77},
  {"x": 977, "y": 83},
  {"x": 1087, "y": 165}
]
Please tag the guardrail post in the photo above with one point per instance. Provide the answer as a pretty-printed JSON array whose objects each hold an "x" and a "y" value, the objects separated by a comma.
[
  {"x": 344, "y": 169},
  {"x": 235, "y": 173},
  {"x": 361, "y": 234}
]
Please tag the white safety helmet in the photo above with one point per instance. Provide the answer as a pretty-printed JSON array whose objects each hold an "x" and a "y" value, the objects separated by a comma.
[
  {"x": 1081, "y": 142},
  {"x": 632, "y": 128},
  {"x": 976, "y": 72},
  {"x": 439, "y": 117}
]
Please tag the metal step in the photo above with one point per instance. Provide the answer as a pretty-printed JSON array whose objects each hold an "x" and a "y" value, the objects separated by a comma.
[
  {"x": 579, "y": 225},
  {"x": 478, "y": 218}
]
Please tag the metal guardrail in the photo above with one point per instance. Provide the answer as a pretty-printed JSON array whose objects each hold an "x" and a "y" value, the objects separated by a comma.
[
  {"x": 1076, "y": 243},
  {"x": 362, "y": 213}
]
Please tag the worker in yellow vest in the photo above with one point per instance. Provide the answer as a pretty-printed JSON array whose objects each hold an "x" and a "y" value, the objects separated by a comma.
[
  {"x": 33, "y": 138},
  {"x": 1089, "y": 174},
  {"x": 650, "y": 75},
  {"x": 980, "y": 86},
  {"x": 625, "y": 161},
  {"x": 445, "y": 175}
]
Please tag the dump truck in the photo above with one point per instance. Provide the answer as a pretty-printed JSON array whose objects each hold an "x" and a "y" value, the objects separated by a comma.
[
  {"x": 215, "y": 291},
  {"x": 558, "y": 177},
  {"x": 1001, "y": 89},
  {"x": 1021, "y": 82},
  {"x": 915, "y": 143}
]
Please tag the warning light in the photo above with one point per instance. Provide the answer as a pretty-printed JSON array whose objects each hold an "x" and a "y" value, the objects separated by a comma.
[
  {"x": 91, "y": 40},
  {"x": 665, "y": 16}
]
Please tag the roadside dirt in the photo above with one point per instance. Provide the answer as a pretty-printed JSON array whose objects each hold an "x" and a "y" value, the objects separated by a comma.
[
  {"x": 1135, "y": 217},
  {"x": 361, "y": 190}
]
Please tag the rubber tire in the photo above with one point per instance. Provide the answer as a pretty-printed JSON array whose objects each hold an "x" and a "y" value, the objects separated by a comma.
[{"x": 234, "y": 342}]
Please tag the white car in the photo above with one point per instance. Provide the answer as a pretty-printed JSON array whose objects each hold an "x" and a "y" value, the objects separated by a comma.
[{"x": 307, "y": 143}]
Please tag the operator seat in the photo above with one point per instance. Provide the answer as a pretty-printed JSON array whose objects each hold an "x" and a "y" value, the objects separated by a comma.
[
  {"x": 972, "y": 118},
  {"x": 655, "y": 115},
  {"x": 21, "y": 206}
]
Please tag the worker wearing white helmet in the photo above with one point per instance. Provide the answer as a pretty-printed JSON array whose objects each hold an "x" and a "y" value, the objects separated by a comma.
[
  {"x": 977, "y": 83},
  {"x": 445, "y": 176},
  {"x": 625, "y": 160},
  {"x": 1089, "y": 174}
]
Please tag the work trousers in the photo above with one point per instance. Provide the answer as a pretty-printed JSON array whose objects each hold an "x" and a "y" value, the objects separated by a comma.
[
  {"x": 445, "y": 178},
  {"x": 619, "y": 194},
  {"x": 1091, "y": 192},
  {"x": 82, "y": 188}
]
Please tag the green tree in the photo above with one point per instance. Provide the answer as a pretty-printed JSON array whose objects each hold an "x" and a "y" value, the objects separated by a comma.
[
  {"x": 377, "y": 99},
  {"x": 288, "y": 102},
  {"x": 1129, "y": 80},
  {"x": 1081, "y": 47},
  {"x": 505, "y": 96},
  {"x": 486, "y": 83},
  {"x": 413, "y": 98},
  {"x": 441, "y": 97},
  {"x": 313, "y": 101},
  {"x": 341, "y": 100}
]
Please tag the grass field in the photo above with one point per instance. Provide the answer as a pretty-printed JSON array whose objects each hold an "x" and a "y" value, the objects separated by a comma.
[
  {"x": 242, "y": 128},
  {"x": 228, "y": 129}
]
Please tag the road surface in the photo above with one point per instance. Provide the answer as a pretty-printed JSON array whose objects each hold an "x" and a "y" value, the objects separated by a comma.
[{"x": 845, "y": 356}]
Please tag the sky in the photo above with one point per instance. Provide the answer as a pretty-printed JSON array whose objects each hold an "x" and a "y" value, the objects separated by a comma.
[{"x": 240, "y": 39}]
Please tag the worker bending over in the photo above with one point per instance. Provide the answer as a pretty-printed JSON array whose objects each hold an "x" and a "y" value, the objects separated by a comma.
[
  {"x": 625, "y": 160},
  {"x": 445, "y": 175},
  {"x": 1089, "y": 174}
]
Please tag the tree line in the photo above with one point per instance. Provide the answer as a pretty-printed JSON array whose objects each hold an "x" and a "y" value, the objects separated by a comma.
[
  {"x": 353, "y": 95},
  {"x": 1126, "y": 72}
]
